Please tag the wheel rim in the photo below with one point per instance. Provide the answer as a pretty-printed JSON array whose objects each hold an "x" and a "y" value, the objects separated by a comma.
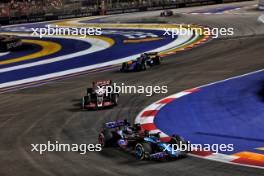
[{"x": 139, "y": 151}]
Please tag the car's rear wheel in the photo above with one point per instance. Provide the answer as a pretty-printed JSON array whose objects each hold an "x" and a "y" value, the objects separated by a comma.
[
  {"x": 138, "y": 67},
  {"x": 105, "y": 138},
  {"x": 124, "y": 67},
  {"x": 89, "y": 91},
  {"x": 181, "y": 142},
  {"x": 157, "y": 60},
  {"x": 143, "y": 150},
  {"x": 85, "y": 101},
  {"x": 144, "y": 66},
  {"x": 141, "y": 67},
  {"x": 101, "y": 139},
  {"x": 115, "y": 98}
]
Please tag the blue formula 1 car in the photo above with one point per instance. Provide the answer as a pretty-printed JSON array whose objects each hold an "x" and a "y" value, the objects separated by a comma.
[
  {"x": 151, "y": 147},
  {"x": 142, "y": 144},
  {"x": 141, "y": 63}
]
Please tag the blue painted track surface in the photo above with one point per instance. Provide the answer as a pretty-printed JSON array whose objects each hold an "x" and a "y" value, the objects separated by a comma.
[
  {"x": 117, "y": 51},
  {"x": 230, "y": 112},
  {"x": 68, "y": 46}
]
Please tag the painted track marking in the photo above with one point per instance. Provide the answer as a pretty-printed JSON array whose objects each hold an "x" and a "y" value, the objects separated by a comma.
[{"x": 147, "y": 122}]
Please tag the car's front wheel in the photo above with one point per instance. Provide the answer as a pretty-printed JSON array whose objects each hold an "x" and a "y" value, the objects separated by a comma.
[
  {"x": 105, "y": 138},
  {"x": 143, "y": 150},
  {"x": 181, "y": 143}
]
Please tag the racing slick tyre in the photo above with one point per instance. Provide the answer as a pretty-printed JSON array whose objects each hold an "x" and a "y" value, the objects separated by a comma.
[
  {"x": 138, "y": 67},
  {"x": 141, "y": 67},
  {"x": 124, "y": 67},
  {"x": 143, "y": 150},
  {"x": 105, "y": 138},
  {"x": 89, "y": 90},
  {"x": 144, "y": 66},
  {"x": 176, "y": 139},
  {"x": 157, "y": 60},
  {"x": 115, "y": 98},
  {"x": 85, "y": 100}
]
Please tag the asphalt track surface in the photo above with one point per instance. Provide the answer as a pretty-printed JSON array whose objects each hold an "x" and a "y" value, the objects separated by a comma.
[{"x": 51, "y": 112}]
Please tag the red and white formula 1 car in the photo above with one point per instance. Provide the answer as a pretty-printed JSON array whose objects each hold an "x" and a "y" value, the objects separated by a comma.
[{"x": 100, "y": 95}]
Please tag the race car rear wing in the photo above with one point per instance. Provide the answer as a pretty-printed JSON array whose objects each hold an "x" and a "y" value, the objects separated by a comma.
[
  {"x": 102, "y": 83},
  {"x": 115, "y": 124}
]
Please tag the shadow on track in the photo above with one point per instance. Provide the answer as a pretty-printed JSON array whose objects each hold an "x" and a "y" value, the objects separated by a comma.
[
  {"x": 128, "y": 158},
  {"x": 77, "y": 107}
]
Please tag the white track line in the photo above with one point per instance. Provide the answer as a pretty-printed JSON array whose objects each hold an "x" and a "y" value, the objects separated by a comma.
[
  {"x": 96, "y": 45},
  {"x": 3, "y": 54},
  {"x": 181, "y": 40},
  {"x": 157, "y": 106}
]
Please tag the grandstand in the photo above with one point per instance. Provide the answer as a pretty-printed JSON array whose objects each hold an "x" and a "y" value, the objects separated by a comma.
[
  {"x": 11, "y": 8},
  {"x": 23, "y": 11}
]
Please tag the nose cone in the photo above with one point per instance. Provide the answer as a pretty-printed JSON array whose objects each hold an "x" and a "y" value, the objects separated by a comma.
[{"x": 100, "y": 91}]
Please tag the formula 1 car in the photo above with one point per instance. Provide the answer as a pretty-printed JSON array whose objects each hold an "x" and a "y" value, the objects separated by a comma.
[
  {"x": 100, "y": 95},
  {"x": 119, "y": 133},
  {"x": 166, "y": 13},
  {"x": 141, "y": 63},
  {"x": 141, "y": 143},
  {"x": 153, "y": 148},
  {"x": 8, "y": 42}
]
